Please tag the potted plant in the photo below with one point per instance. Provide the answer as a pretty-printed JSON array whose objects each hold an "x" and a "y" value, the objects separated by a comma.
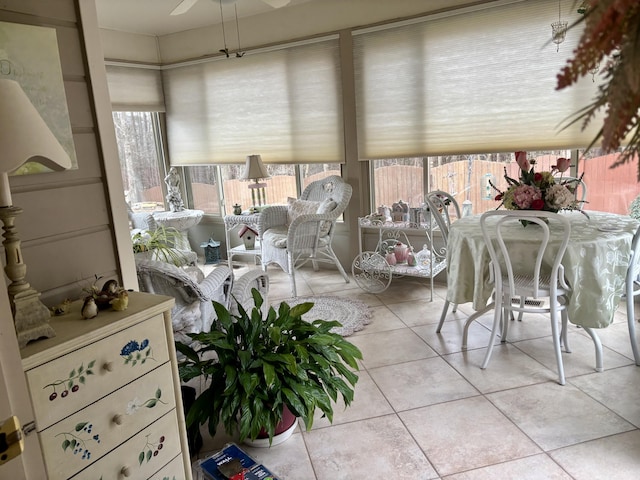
[
  {"x": 159, "y": 244},
  {"x": 262, "y": 367}
]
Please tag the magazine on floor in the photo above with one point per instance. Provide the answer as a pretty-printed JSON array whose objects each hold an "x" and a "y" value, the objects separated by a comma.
[{"x": 233, "y": 463}]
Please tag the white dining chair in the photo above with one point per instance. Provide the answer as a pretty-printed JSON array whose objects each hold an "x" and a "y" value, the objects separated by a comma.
[
  {"x": 632, "y": 289},
  {"x": 580, "y": 195},
  {"x": 448, "y": 211},
  {"x": 537, "y": 281}
]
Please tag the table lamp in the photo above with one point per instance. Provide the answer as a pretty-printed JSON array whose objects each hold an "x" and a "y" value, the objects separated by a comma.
[
  {"x": 24, "y": 137},
  {"x": 255, "y": 170}
]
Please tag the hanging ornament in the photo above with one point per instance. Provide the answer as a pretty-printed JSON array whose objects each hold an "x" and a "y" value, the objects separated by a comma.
[{"x": 558, "y": 30}]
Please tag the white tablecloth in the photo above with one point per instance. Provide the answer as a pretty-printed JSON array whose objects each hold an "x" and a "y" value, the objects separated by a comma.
[{"x": 595, "y": 263}]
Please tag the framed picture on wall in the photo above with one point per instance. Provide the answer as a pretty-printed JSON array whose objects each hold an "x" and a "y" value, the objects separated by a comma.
[{"x": 29, "y": 55}]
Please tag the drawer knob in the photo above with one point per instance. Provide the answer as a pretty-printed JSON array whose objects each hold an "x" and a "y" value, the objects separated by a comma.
[
  {"x": 125, "y": 471},
  {"x": 117, "y": 419},
  {"x": 108, "y": 366}
]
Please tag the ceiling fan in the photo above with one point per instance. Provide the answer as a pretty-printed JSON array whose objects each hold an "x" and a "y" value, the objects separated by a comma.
[{"x": 185, "y": 5}]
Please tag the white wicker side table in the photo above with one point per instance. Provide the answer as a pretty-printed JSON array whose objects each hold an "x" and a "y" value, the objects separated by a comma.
[{"x": 231, "y": 223}]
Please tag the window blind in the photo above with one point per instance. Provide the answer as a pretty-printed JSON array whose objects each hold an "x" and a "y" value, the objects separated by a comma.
[
  {"x": 472, "y": 81},
  {"x": 284, "y": 104},
  {"x": 135, "y": 88}
]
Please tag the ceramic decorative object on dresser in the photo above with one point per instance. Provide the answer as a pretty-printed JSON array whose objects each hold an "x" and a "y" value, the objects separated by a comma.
[{"x": 106, "y": 394}]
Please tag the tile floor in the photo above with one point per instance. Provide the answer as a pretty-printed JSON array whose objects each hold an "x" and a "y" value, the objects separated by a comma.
[{"x": 423, "y": 408}]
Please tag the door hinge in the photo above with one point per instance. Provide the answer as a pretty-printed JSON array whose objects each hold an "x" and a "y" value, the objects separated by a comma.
[{"x": 12, "y": 438}]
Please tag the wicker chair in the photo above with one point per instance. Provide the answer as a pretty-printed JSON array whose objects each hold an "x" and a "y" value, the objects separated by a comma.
[
  {"x": 292, "y": 236},
  {"x": 193, "y": 311}
]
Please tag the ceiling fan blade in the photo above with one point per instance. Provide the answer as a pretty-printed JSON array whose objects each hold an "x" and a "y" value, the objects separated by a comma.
[
  {"x": 277, "y": 3},
  {"x": 183, "y": 7}
]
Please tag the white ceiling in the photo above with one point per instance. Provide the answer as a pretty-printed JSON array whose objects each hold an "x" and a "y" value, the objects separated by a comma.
[{"x": 153, "y": 17}]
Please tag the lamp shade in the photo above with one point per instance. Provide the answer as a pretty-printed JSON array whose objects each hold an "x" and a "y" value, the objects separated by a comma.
[
  {"x": 24, "y": 137},
  {"x": 254, "y": 169}
]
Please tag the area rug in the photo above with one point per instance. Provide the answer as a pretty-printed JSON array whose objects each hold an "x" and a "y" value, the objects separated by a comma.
[{"x": 353, "y": 315}]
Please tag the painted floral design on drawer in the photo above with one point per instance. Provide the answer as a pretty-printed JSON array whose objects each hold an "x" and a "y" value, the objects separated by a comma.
[
  {"x": 135, "y": 352},
  {"x": 136, "y": 403},
  {"x": 151, "y": 449},
  {"x": 79, "y": 440},
  {"x": 72, "y": 383}
]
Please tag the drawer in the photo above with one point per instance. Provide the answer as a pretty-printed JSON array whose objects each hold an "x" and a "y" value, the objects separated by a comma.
[
  {"x": 174, "y": 470},
  {"x": 140, "y": 456},
  {"x": 83, "y": 438},
  {"x": 73, "y": 381}
]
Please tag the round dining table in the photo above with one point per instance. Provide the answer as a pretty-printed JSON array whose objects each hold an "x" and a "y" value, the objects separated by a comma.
[{"x": 595, "y": 262}]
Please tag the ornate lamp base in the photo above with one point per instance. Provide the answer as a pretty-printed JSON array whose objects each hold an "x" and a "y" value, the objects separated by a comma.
[{"x": 31, "y": 317}]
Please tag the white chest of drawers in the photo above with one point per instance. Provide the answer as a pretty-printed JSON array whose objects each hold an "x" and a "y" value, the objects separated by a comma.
[{"x": 106, "y": 394}]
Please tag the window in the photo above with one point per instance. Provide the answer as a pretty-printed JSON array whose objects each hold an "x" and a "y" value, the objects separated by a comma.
[
  {"x": 398, "y": 179},
  {"x": 316, "y": 171},
  {"x": 469, "y": 177},
  {"x": 430, "y": 92},
  {"x": 141, "y": 159},
  {"x": 281, "y": 184},
  {"x": 609, "y": 189},
  {"x": 205, "y": 191}
]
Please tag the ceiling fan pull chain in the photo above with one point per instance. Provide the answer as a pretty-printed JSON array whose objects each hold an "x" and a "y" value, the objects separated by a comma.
[
  {"x": 225, "y": 50},
  {"x": 239, "y": 53}
]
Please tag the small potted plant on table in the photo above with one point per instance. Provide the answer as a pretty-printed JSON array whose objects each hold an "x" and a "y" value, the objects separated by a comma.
[
  {"x": 263, "y": 367},
  {"x": 159, "y": 244}
]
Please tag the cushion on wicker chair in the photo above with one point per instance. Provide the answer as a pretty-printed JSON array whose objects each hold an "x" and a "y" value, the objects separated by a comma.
[
  {"x": 296, "y": 207},
  {"x": 291, "y": 242},
  {"x": 277, "y": 236}
]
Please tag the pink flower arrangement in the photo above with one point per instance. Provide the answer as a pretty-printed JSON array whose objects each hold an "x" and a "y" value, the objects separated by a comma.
[{"x": 539, "y": 190}]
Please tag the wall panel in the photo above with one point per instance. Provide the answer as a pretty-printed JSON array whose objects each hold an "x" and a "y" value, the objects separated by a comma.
[
  {"x": 66, "y": 228},
  {"x": 62, "y": 266}
]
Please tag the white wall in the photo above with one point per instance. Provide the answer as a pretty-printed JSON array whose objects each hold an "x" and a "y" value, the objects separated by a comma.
[
  {"x": 276, "y": 26},
  {"x": 67, "y": 224}
]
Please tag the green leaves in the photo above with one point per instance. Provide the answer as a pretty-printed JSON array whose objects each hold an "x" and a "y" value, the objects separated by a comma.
[{"x": 257, "y": 364}]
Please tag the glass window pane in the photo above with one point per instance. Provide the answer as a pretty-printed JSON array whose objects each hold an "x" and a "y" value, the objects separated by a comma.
[
  {"x": 398, "y": 179},
  {"x": 467, "y": 178},
  {"x": 317, "y": 171},
  {"x": 235, "y": 190},
  {"x": 204, "y": 189},
  {"x": 281, "y": 184},
  {"x": 140, "y": 160},
  {"x": 609, "y": 189}
]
